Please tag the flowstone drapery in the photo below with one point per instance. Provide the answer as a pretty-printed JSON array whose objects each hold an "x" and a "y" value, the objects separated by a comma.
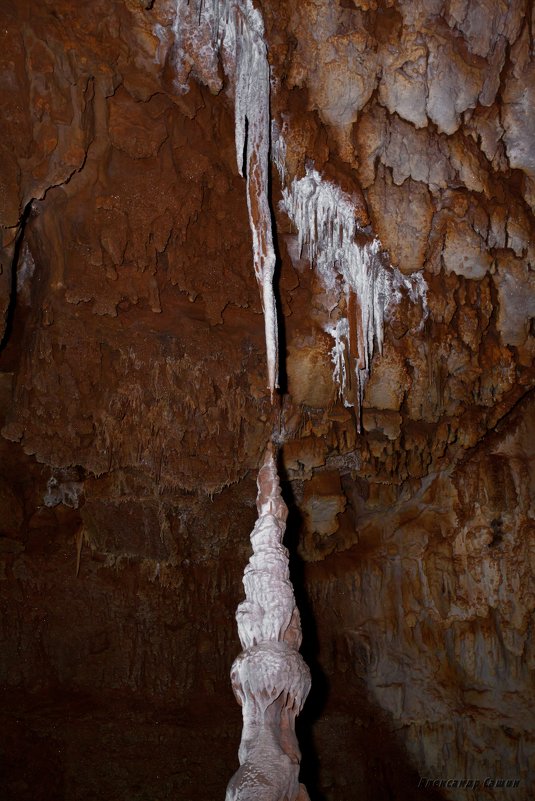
[{"x": 270, "y": 678}]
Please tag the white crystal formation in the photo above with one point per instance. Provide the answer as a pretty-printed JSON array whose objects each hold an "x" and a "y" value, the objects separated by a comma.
[
  {"x": 325, "y": 218},
  {"x": 339, "y": 331},
  {"x": 270, "y": 678},
  {"x": 278, "y": 148},
  {"x": 234, "y": 30}
]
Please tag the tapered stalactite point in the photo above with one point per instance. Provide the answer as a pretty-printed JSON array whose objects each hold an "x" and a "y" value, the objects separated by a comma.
[
  {"x": 269, "y": 678},
  {"x": 233, "y": 30}
]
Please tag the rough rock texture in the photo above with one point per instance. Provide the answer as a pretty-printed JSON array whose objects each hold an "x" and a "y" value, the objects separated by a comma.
[{"x": 135, "y": 410}]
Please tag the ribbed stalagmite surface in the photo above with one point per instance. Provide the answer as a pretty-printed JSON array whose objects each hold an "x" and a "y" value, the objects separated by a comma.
[
  {"x": 134, "y": 410},
  {"x": 269, "y": 678}
]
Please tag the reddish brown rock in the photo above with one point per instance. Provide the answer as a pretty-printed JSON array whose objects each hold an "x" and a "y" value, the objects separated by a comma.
[{"x": 134, "y": 410}]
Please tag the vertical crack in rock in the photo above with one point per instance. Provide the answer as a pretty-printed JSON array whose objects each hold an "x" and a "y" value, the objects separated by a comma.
[
  {"x": 235, "y": 30},
  {"x": 270, "y": 678},
  {"x": 325, "y": 218}
]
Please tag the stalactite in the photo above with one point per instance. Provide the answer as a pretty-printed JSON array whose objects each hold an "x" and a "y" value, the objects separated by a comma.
[
  {"x": 235, "y": 30},
  {"x": 252, "y": 105},
  {"x": 326, "y": 225},
  {"x": 269, "y": 678}
]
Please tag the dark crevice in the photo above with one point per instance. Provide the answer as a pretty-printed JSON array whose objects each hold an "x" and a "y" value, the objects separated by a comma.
[
  {"x": 319, "y": 692},
  {"x": 281, "y": 328},
  {"x": 10, "y": 314}
]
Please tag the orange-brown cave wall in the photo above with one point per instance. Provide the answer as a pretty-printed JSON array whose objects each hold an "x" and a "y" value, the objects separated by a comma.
[{"x": 134, "y": 410}]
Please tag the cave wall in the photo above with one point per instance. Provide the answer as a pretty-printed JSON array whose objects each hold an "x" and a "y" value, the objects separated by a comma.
[{"x": 135, "y": 410}]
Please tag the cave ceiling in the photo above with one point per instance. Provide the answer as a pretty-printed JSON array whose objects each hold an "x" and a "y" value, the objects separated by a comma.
[{"x": 135, "y": 406}]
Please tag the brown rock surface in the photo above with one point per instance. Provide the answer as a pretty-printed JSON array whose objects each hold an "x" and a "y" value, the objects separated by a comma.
[{"x": 134, "y": 410}]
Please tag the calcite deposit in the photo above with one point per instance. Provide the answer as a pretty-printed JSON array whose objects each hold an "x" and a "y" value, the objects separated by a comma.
[
  {"x": 135, "y": 405},
  {"x": 269, "y": 678}
]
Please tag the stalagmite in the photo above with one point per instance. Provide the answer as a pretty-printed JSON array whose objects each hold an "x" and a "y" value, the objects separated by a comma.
[{"x": 269, "y": 678}]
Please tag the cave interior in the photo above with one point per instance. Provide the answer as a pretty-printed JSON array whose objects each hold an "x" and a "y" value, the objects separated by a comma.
[{"x": 225, "y": 224}]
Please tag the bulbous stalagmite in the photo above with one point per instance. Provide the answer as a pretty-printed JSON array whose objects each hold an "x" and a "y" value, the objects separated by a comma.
[{"x": 269, "y": 678}]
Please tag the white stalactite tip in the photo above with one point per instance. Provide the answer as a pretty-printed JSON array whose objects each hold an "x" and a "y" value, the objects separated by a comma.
[
  {"x": 234, "y": 30},
  {"x": 325, "y": 218}
]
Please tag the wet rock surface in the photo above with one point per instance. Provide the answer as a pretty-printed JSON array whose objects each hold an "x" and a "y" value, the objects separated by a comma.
[{"x": 134, "y": 408}]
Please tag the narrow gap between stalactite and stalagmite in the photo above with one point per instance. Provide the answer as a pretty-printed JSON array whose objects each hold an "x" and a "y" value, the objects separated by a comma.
[
  {"x": 325, "y": 220},
  {"x": 136, "y": 351},
  {"x": 269, "y": 678}
]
